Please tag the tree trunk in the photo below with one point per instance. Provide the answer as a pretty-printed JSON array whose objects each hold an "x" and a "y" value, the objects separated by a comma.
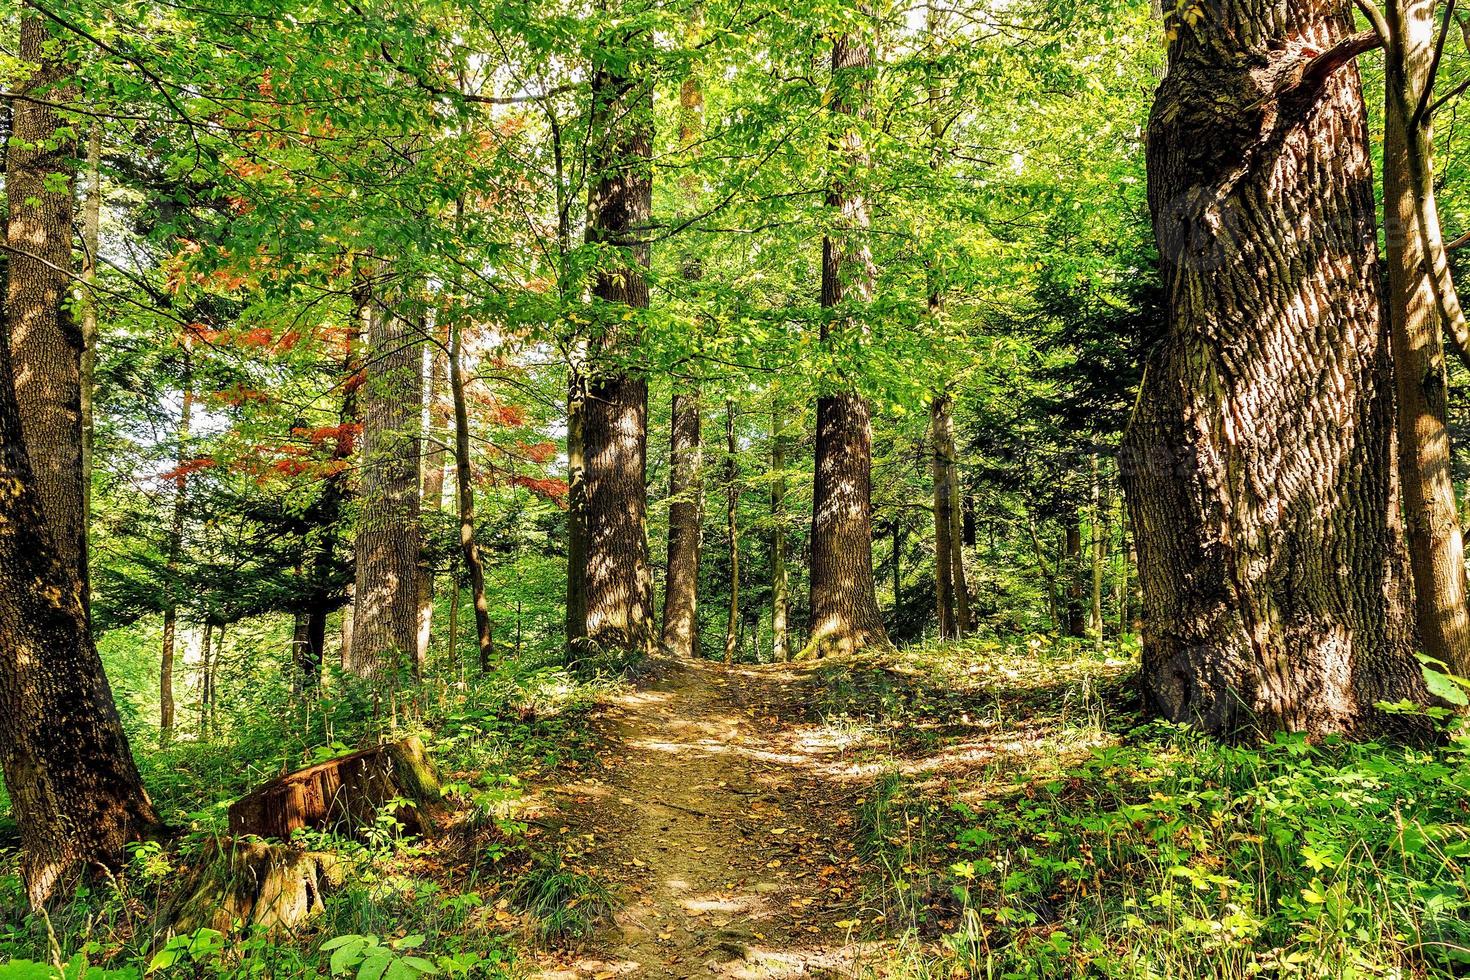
[
  {"x": 465, "y": 494},
  {"x": 576, "y": 516},
  {"x": 206, "y": 656},
  {"x": 175, "y": 547},
  {"x": 681, "y": 587},
  {"x": 1259, "y": 462},
  {"x": 45, "y": 342},
  {"x": 1420, "y": 306},
  {"x": 732, "y": 536},
  {"x": 845, "y": 614},
  {"x": 780, "y": 586},
  {"x": 686, "y": 492},
  {"x": 941, "y": 428},
  {"x": 619, "y": 578},
  {"x": 91, "y": 238},
  {"x": 385, "y": 620},
  {"x": 436, "y": 376},
  {"x": 1098, "y": 531},
  {"x": 1071, "y": 564}
]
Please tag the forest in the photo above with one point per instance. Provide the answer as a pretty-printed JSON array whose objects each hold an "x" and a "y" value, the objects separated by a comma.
[{"x": 586, "y": 489}]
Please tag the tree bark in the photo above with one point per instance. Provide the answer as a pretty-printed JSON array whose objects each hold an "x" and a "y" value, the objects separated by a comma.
[
  {"x": 576, "y": 515},
  {"x": 206, "y": 677},
  {"x": 732, "y": 533},
  {"x": 780, "y": 584},
  {"x": 1072, "y": 572},
  {"x": 1259, "y": 461},
  {"x": 681, "y": 586},
  {"x": 45, "y": 341},
  {"x": 91, "y": 240},
  {"x": 1097, "y": 552},
  {"x": 686, "y": 491},
  {"x": 385, "y": 617},
  {"x": 74, "y": 789},
  {"x": 845, "y": 613},
  {"x": 1421, "y": 305},
  {"x": 619, "y": 577},
  {"x": 465, "y": 493},
  {"x": 176, "y": 546},
  {"x": 436, "y": 377}
]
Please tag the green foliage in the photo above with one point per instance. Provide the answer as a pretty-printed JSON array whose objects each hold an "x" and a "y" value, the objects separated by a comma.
[{"x": 565, "y": 904}]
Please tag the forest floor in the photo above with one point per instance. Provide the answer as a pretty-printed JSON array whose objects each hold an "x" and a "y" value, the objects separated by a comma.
[
  {"x": 755, "y": 821},
  {"x": 723, "y": 818}
]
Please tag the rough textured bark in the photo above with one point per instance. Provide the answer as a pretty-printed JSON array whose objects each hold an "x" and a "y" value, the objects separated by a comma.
[
  {"x": 732, "y": 532},
  {"x": 385, "y": 617},
  {"x": 780, "y": 585},
  {"x": 686, "y": 491},
  {"x": 619, "y": 578},
  {"x": 75, "y": 792},
  {"x": 45, "y": 341},
  {"x": 845, "y": 614},
  {"x": 1421, "y": 306},
  {"x": 176, "y": 545},
  {"x": 576, "y": 515},
  {"x": 1259, "y": 462},
  {"x": 91, "y": 238},
  {"x": 436, "y": 378},
  {"x": 464, "y": 484}
]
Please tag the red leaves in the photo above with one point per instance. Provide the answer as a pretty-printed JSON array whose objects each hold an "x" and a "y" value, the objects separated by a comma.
[
  {"x": 342, "y": 437},
  {"x": 551, "y": 488},
  {"x": 179, "y": 474}
]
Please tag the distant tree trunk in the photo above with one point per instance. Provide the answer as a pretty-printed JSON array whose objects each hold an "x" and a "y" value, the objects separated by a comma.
[
  {"x": 845, "y": 613},
  {"x": 686, "y": 519},
  {"x": 732, "y": 536},
  {"x": 897, "y": 566},
  {"x": 206, "y": 657},
  {"x": 1122, "y": 585},
  {"x": 1422, "y": 303},
  {"x": 1098, "y": 539},
  {"x": 175, "y": 546},
  {"x": 45, "y": 342},
  {"x": 619, "y": 578},
  {"x": 75, "y": 792},
  {"x": 576, "y": 516},
  {"x": 436, "y": 377},
  {"x": 780, "y": 586},
  {"x": 681, "y": 588},
  {"x": 91, "y": 239},
  {"x": 385, "y": 620},
  {"x": 941, "y": 428},
  {"x": 1259, "y": 463},
  {"x": 1072, "y": 571},
  {"x": 465, "y": 493},
  {"x": 346, "y": 625}
]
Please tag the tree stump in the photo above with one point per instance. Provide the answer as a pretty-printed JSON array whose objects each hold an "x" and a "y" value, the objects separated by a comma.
[
  {"x": 275, "y": 887},
  {"x": 344, "y": 795}
]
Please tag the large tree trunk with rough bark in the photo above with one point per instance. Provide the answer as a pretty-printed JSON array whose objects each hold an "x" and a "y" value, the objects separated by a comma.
[
  {"x": 845, "y": 614},
  {"x": 45, "y": 341},
  {"x": 1259, "y": 462},
  {"x": 74, "y": 789},
  {"x": 436, "y": 378},
  {"x": 619, "y": 577},
  {"x": 686, "y": 490},
  {"x": 385, "y": 614},
  {"x": 1422, "y": 303}
]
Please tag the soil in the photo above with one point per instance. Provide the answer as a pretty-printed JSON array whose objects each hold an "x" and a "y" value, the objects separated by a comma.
[{"x": 722, "y": 819}]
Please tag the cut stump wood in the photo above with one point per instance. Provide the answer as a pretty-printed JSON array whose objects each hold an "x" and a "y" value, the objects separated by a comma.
[
  {"x": 344, "y": 795},
  {"x": 250, "y": 884}
]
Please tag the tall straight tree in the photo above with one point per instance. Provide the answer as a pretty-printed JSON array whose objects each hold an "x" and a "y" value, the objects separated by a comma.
[
  {"x": 1259, "y": 460},
  {"x": 385, "y": 614},
  {"x": 74, "y": 788},
  {"x": 1422, "y": 304},
  {"x": 780, "y": 584},
  {"x": 45, "y": 341},
  {"x": 176, "y": 542},
  {"x": 436, "y": 417},
  {"x": 464, "y": 485},
  {"x": 845, "y": 614},
  {"x": 619, "y": 578},
  {"x": 952, "y": 590},
  {"x": 686, "y": 491}
]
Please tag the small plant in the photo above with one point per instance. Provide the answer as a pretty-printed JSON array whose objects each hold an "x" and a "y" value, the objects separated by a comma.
[
  {"x": 564, "y": 903},
  {"x": 370, "y": 958}
]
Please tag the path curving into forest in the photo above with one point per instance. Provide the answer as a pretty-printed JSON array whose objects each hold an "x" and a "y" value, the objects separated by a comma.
[{"x": 723, "y": 819}]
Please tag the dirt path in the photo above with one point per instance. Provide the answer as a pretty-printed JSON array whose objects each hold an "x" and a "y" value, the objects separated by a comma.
[{"x": 724, "y": 824}]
